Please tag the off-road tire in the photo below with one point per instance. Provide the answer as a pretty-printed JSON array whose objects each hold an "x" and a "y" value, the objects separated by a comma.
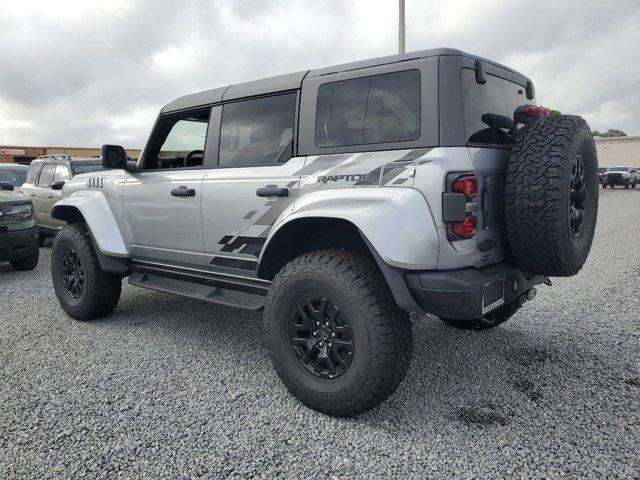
[
  {"x": 491, "y": 320},
  {"x": 381, "y": 331},
  {"x": 538, "y": 196},
  {"x": 42, "y": 238},
  {"x": 101, "y": 291},
  {"x": 25, "y": 264}
]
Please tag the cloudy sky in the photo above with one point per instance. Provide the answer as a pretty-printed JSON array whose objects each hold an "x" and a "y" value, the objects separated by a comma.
[{"x": 84, "y": 72}]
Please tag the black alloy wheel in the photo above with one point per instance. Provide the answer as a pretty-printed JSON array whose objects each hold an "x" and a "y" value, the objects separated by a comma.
[
  {"x": 577, "y": 196},
  {"x": 320, "y": 337},
  {"x": 72, "y": 273}
]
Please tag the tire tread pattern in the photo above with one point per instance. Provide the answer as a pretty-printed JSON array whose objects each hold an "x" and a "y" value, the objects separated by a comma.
[{"x": 536, "y": 195}]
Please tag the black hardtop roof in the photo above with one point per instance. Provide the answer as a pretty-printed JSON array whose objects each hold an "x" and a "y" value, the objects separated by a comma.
[{"x": 292, "y": 81}]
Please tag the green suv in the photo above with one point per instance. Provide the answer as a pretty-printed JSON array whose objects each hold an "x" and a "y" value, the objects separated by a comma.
[{"x": 18, "y": 230}]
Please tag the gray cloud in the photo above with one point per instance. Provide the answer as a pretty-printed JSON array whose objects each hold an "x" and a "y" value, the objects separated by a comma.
[{"x": 86, "y": 73}]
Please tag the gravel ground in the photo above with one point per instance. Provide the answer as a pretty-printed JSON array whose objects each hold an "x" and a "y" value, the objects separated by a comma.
[{"x": 170, "y": 387}]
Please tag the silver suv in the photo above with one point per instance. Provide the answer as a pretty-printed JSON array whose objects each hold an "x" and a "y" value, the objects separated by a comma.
[
  {"x": 337, "y": 200},
  {"x": 43, "y": 185}
]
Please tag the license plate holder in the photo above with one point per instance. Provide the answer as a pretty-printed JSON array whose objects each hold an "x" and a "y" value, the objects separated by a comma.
[{"x": 492, "y": 295}]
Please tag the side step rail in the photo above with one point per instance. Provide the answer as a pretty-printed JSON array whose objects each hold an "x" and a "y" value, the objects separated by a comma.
[{"x": 208, "y": 293}]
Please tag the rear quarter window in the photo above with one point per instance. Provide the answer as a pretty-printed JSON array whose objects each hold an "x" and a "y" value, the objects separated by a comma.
[
  {"x": 368, "y": 110},
  {"x": 488, "y": 108}
]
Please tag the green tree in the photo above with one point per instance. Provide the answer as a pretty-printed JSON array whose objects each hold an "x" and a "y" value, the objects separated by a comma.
[{"x": 612, "y": 132}]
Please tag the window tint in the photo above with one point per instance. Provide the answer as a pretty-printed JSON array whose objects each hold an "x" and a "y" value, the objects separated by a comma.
[
  {"x": 61, "y": 174},
  {"x": 46, "y": 177},
  {"x": 32, "y": 176},
  {"x": 375, "y": 109},
  {"x": 14, "y": 176},
  {"x": 179, "y": 141},
  {"x": 488, "y": 108},
  {"x": 257, "y": 131}
]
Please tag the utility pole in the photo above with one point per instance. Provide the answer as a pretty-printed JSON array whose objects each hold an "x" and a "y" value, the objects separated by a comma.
[{"x": 401, "y": 26}]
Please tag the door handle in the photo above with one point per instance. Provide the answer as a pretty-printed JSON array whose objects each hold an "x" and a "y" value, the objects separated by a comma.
[
  {"x": 49, "y": 195},
  {"x": 32, "y": 194},
  {"x": 183, "y": 192},
  {"x": 272, "y": 191}
]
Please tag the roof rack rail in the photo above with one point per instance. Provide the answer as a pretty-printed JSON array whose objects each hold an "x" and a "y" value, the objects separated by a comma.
[{"x": 56, "y": 155}]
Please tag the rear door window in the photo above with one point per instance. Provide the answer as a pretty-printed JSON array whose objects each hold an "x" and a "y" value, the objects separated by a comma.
[
  {"x": 257, "y": 131},
  {"x": 46, "y": 177},
  {"x": 375, "y": 109},
  {"x": 488, "y": 108}
]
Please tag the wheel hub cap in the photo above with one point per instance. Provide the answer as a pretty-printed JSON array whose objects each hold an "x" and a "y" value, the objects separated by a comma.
[
  {"x": 320, "y": 336},
  {"x": 577, "y": 196},
  {"x": 72, "y": 273}
]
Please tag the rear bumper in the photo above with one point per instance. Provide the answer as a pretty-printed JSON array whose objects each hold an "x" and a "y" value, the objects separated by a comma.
[
  {"x": 18, "y": 244},
  {"x": 468, "y": 293}
]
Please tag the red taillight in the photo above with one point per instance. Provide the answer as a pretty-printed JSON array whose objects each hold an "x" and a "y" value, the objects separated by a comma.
[
  {"x": 535, "y": 111},
  {"x": 466, "y": 229},
  {"x": 467, "y": 185}
]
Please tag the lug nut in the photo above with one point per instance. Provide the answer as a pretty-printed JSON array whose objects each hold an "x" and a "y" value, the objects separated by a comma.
[
  {"x": 315, "y": 333},
  {"x": 333, "y": 334},
  {"x": 326, "y": 324},
  {"x": 318, "y": 324},
  {"x": 329, "y": 344},
  {"x": 320, "y": 343}
]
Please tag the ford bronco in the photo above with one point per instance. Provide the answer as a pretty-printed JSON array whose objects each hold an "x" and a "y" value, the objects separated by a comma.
[
  {"x": 18, "y": 229},
  {"x": 337, "y": 200}
]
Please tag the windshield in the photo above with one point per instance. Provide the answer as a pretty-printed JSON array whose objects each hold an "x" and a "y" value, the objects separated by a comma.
[
  {"x": 78, "y": 169},
  {"x": 618, "y": 169},
  {"x": 15, "y": 176}
]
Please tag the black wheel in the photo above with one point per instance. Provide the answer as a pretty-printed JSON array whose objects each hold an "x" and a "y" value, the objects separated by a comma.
[
  {"x": 633, "y": 185},
  {"x": 626, "y": 185},
  {"x": 491, "y": 320},
  {"x": 604, "y": 185},
  {"x": 41, "y": 239},
  {"x": 25, "y": 264},
  {"x": 336, "y": 337},
  {"x": 84, "y": 291},
  {"x": 551, "y": 196}
]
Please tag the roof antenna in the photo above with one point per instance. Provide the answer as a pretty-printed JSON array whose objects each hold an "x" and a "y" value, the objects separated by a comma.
[{"x": 401, "y": 26}]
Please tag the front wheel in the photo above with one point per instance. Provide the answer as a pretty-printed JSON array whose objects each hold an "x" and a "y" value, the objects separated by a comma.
[
  {"x": 336, "y": 337},
  {"x": 84, "y": 291}
]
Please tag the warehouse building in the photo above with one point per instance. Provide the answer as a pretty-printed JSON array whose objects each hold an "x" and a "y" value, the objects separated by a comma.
[
  {"x": 24, "y": 155},
  {"x": 618, "y": 151}
]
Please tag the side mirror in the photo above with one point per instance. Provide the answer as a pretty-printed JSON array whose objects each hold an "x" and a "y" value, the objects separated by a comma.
[
  {"x": 57, "y": 185},
  {"x": 6, "y": 186},
  {"x": 114, "y": 156}
]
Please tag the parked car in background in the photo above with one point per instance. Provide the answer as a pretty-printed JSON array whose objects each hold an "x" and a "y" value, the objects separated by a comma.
[
  {"x": 18, "y": 230},
  {"x": 45, "y": 179},
  {"x": 621, "y": 176},
  {"x": 601, "y": 172},
  {"x": 13, "y": 173}
]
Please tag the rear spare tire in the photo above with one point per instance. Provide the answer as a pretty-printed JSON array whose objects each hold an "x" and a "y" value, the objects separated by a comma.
[{"x": 551, "y": 196}]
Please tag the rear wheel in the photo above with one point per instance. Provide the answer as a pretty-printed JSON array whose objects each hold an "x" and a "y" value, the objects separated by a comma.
[
  {"x": 336, "y": 338},
  {"x": 84, "y": 291},
  {"x": 491, "y": 320}
]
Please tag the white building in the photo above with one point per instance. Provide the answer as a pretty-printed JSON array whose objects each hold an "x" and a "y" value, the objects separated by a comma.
[{"x": 618, "y": 151}]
